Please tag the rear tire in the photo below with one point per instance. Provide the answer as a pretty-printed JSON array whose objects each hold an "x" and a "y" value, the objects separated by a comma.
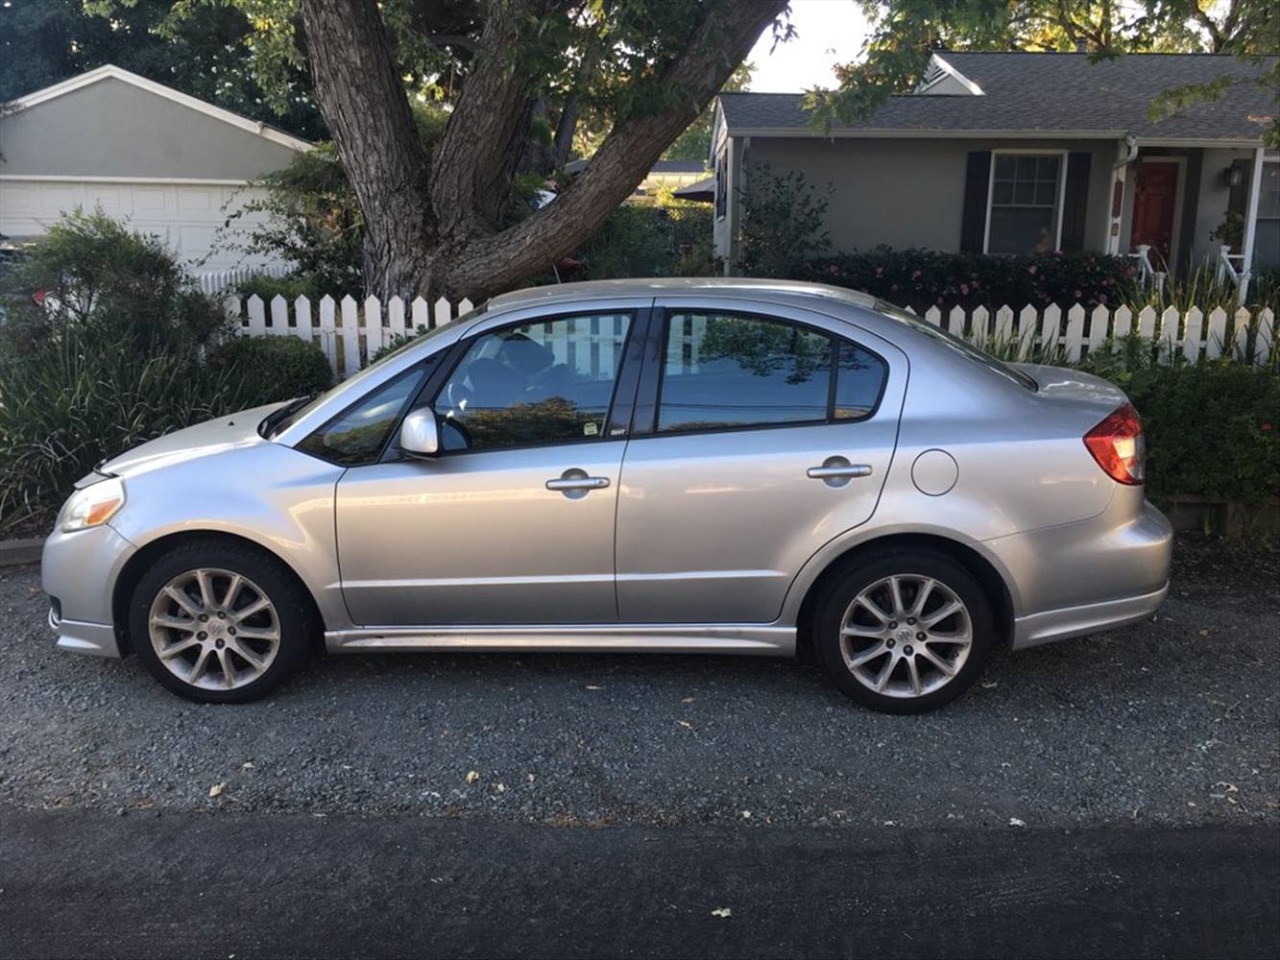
[
  {"x": 220, "y": 622},
  {"x": 904, "y": 632}
]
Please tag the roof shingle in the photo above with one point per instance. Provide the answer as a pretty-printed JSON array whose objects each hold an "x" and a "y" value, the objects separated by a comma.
[{"x": 1047, "y": 93}]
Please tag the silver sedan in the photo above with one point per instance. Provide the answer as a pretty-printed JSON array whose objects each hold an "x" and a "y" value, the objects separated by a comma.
[{"x": 700, "y": 466}]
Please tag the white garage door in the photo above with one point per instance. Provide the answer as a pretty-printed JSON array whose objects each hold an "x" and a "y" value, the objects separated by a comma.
[{"x": 188, "y": 216}]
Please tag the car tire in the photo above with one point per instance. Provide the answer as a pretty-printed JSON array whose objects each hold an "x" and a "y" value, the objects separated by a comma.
[
  {"x": 891, "y": 649},
  {"x": 220, "y": 622}
]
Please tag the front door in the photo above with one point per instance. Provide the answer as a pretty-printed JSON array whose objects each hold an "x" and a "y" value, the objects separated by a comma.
[
  {"x": 1154, "y": 204},
  {"x": 768, "y": 437},
  {"x": 513, "y": 523}
]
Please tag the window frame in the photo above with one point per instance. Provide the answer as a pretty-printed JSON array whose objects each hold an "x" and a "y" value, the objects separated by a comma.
[
  {"x": 621, "y": 398},
  {"x": 1059, "y": 203},
  {"x": 654, "y": 375},
  {"x": 1258, "y": 220}
]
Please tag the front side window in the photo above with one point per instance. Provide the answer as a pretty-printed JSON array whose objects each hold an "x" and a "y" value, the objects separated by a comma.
[
  {"x": 1024, "y": 215},
  {"x": 358, "y": 435},
  {"x": 724, "y": 371},
  {"x": 545, "y": 382}
]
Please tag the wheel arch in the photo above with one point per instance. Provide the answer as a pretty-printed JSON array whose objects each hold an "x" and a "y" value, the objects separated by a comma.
[
  {"x": 989, "y": 578},
  {"x": 138, "y": 564}
]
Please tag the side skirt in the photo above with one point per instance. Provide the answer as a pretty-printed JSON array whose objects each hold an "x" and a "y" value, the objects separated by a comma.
[{"x": 768, "y": 641}]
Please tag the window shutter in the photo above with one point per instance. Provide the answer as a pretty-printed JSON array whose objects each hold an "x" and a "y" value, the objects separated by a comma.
[
  {"x": 973, "y": 223},
  {"x": 1075, "y": 204}
]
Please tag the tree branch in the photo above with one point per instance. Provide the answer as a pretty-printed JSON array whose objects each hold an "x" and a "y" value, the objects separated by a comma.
[{"x": 722, "y": 40}]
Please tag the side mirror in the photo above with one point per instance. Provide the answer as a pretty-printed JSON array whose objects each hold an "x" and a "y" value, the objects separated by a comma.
[{"x": 419, "y": 434}]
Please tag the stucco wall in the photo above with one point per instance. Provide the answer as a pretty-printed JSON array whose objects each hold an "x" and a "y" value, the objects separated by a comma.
[
  {"x": 114, "y": 129},
  {"x": 1212, "y": 210},
  {"x": 910, "y": 193}
]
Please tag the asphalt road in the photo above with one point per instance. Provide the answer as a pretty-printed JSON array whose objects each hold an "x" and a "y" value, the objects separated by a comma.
[
  {"x": 86, "y": 885},
  {"x": 1114, "y": 796}
]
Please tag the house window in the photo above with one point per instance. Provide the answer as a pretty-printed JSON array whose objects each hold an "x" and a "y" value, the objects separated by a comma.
[
  {"x": 1266, "y": 244},
  {"x": 1026, "y": 203},
  {"x": 722, "y": 183}
]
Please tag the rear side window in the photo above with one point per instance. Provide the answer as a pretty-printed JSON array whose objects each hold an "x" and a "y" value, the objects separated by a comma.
[{"x": 725, "y": 371}]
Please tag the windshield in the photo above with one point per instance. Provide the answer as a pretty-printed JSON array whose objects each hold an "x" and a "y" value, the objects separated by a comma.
[
  {"x": 281, "y": 420},
  {"x": 962, "y": 347}
]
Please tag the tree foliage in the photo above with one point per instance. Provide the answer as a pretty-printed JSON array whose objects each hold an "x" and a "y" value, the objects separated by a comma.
[{"x": 906, "y": 32}]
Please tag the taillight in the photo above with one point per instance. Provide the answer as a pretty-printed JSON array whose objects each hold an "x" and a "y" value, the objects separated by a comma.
[{"x": 1116, "y": 443}]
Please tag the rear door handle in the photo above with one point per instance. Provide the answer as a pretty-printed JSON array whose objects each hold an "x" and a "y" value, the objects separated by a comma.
[
  {"x": 830, "y": 471},
  {"x": 578, "y": 483}
]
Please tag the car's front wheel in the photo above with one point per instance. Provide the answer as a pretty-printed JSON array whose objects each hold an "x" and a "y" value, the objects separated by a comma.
[
  {"x": 905, "y": 632},
  {"x": 219, "y": 622}
]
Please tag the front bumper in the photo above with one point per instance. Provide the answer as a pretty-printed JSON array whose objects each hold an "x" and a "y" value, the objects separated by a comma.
[{"x": 78, "y": 572}]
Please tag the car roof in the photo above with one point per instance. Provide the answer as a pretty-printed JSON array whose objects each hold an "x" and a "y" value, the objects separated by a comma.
[{"x": 720, "y": 287}]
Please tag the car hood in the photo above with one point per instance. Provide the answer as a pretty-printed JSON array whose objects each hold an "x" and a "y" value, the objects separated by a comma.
[{"x": 202, "y": 440}]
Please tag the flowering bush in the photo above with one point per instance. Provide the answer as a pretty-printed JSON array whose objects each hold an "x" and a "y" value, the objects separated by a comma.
[{"x": 921, "y": 279}]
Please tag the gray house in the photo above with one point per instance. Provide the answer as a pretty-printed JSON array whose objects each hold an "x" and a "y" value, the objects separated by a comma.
[
  {"x": 1028, "y": 152},
  {"x": 171, "y": 164}
]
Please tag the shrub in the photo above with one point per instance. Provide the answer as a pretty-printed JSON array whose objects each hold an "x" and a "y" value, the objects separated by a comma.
[
  {"x": 782, "y": 223},
  {"x": 272, "y": 368},
  {"x": 921, "y": 279},
  {"x": 669, "y": 238},
  {"x": 83, "y": 398},
  {"x": 1212, "y": 428},
  {"x": 117, "y": 357}
]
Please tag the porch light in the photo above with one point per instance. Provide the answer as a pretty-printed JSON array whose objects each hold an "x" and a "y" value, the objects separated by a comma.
[{"x": 1233, "y": 176}]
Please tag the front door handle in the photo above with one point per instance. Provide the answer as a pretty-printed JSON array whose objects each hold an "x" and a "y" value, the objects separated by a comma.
[{"x": 578, "y": 483}]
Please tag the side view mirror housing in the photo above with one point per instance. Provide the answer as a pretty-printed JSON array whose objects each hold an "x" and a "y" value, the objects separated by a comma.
[{"x": 420, "y": 435}]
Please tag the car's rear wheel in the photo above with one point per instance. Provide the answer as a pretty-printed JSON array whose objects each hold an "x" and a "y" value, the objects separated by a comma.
[
  {"x": 905, "y": 632},
  {"x": 219, "y": 622}
]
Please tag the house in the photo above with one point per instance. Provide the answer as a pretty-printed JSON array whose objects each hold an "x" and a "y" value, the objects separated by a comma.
[
  {"x": 169, "y": 163},
  {"x": 1025, "y": 152}
]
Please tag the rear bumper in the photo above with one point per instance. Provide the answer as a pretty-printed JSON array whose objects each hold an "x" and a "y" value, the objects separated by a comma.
[
  {"x": 1082, "y": 578},
  {"x": 1039, "y": 628}
]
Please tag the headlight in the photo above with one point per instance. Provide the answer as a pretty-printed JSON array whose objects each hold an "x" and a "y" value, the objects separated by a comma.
[{"x": 93, "y": 506}]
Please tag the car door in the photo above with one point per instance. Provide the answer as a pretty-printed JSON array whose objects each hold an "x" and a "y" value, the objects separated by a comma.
[
  {"x": 760, "y": 435},
  {"x": 513, "y": 522}
]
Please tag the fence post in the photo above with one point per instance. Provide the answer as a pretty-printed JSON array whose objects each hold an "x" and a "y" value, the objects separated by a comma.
[
  {"x": 279, "y": 316},
  {"x": 1052, "y": 328},
  {"x": 1075, "y": 332},
  {"x": 303, "y": 329},
  {"x": 1124, "y": 322},
  {"x": 1216, "y": 344},
  {"x": 395, "y": 319},
  {"x": 257, "y": 317},
  {"x": 350, "y": 337},
  {"x": 1242, "y": 336},
  {"x": 1191, "y": 338},
  {"x": 955, "y": 322},
  {"x": 1169, "y": 323},
  {"x": 328, "y": 333},
  {"x": 442, "y": 315},
  {"x": 421, "y": 315},
  {"x": 1263, "y": 344},
  {"x": 1147, "y": 323},
  {"x": 372, "y": 327}
]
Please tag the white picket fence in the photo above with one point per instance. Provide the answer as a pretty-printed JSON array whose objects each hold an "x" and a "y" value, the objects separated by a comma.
[
  {"x": 215, "y": 281},
  {"x": 350, "y": 332}
]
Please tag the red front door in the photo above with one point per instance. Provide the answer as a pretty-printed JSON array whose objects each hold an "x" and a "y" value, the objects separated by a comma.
[{"x": 1153, "y": 206}]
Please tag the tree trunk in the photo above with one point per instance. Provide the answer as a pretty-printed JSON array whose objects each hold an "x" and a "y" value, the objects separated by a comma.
[
  {"x": 364, "y": 103},
  {"x": 437, "y": 233}
]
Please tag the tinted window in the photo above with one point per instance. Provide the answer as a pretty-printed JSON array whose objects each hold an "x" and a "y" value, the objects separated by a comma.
[
  {"x": 860, "y": 379},
  {"x": 543, "y": 382},
  {"x": 358, "y": 435},
  {"x": 726, "y": 371}
]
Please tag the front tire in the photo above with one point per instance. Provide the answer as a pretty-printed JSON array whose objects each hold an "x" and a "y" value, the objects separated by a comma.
[
  {"x": 219, "y": 622},
  {"x": 905, "y": 632}
]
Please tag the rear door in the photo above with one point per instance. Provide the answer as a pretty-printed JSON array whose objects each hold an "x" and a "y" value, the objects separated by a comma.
[{"x": 760, "y": 435}]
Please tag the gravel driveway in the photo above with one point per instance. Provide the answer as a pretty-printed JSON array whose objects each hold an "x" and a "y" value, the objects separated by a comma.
[{"x": 1175, "y": 721}]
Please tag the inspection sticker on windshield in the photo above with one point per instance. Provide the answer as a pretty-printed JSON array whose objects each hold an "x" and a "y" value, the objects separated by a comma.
[{"x": 590, "y": 429}]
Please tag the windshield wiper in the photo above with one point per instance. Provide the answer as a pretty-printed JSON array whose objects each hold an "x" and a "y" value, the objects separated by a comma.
[{"x": 266, "y": 428}]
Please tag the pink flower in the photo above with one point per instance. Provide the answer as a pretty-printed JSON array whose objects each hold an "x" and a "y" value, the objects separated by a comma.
[
  {"x": 1265, "y": 427},
  {"x": 964, "y": 288},
  {"x": 915, "y": 274},
  {"x": 833, "y": 270},
  {"x": 1078, "y": 294},
  {"x": 879, "y": 271},
  {"x": 1102, "y": 299},
  {"x": 1031, "y": 269}
]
